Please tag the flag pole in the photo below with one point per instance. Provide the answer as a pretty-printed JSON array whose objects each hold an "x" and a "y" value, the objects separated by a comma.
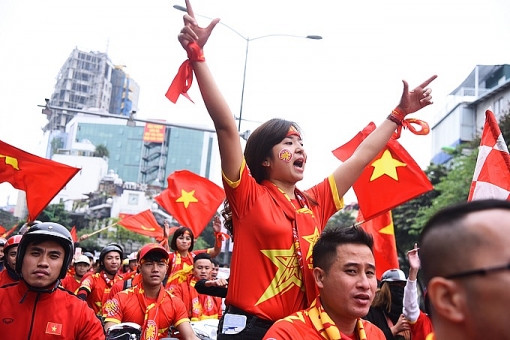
[{"x": 97, "y": 231}]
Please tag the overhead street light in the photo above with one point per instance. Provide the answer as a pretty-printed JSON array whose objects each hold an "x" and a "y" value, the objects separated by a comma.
[{"x": 248, "y": 39}]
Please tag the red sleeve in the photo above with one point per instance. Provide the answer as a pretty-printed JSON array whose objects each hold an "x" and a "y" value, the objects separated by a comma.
[
  {"x": 91, "y": 327},
  {"x": 112, "y": 310},
  {"x": 422, "y": 327},
  {"x": 181, "y": 314}
]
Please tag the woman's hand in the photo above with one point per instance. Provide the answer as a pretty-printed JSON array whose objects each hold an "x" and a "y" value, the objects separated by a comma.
[
  {"x": 192, "y": 32},
  {"x": 216, "y": 224},
  {"x": 401, "y": 325},
  {"x": 412, "y": 101}
]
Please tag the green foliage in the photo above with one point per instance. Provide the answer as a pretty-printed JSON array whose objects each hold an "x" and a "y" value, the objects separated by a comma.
[
  {"x": 341, "y": 219},
  {"x": 55, "y": 213},
  {"x": 101, "y": 151},
  {"x": 7, "y": 220}
]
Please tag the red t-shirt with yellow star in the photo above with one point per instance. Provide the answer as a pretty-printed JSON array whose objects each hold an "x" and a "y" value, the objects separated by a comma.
[
  {"x": 125, "y": 307},
  {"x": 265, "y": 278},
  {"x": 97, "y": 290}
]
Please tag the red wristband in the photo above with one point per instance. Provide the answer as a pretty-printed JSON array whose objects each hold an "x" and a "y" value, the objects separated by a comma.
[{"x": 195, "y": 53}]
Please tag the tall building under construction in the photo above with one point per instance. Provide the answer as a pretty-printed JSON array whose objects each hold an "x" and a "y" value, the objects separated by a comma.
[{"x": 90, "y": 80}]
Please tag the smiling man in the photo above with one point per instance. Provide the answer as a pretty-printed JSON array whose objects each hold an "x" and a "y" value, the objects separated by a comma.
[
  {"x": 37, "y": 307},
  {"x": 148, "y": 304},
  {"x": 344, "y": 272},
  {"x": 96, "y": 287},
  {"x": 199, "y": 306}
]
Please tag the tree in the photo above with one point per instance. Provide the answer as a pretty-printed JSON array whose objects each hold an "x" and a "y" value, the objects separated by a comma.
[
  {"x": 341, "y": 219},
  {"x": 55, "y": 213},
  {"x": 101, "y": 151}
]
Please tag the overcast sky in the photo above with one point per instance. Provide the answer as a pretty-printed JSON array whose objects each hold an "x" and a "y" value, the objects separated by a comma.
[{"x": 332, "y": 87}]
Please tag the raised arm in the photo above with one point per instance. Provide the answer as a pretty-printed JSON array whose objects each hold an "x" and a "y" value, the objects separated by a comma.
[
  {"x": 411, "y": 308},
  {"x": 411, "y": 101},
  {"x": 218, "y": 237},
  {"x": 228, "y": 137}
]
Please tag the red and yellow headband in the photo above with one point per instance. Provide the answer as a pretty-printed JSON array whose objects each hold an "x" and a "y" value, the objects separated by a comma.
[{"x": 293, "y": 132}]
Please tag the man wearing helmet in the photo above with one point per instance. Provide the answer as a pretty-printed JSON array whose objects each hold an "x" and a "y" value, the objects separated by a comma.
[
  {"x": 148, "y": 304},
  {"x": 81, "y": 267},
  {"x": 2, "y": 244},
  {"x": 37, "y": 307},
  {"x": 9, "y": 275},
  {"x": 95, "y": 288}
]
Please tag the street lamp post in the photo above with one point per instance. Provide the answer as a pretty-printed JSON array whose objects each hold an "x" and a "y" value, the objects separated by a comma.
[{"x": 248, "y": 39}]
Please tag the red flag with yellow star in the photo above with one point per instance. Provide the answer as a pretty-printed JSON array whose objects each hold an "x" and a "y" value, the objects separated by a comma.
[
  {"x": 40, "y": 178},
  {"x": 385, "y": 248},
  {"x": 390, "y": 179},
  {"x": 191, "y": 199},
  {"x": 143, "y": 223}
]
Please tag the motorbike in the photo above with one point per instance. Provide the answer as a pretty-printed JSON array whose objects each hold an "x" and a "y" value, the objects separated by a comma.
[{"x": 204, "y": 330}]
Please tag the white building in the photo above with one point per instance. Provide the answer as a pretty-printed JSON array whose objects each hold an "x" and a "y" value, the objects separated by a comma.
[{"x": 462, "y": 119}]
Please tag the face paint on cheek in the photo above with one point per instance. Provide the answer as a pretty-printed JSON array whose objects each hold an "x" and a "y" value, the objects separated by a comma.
[{"x": 285, "y": 155}]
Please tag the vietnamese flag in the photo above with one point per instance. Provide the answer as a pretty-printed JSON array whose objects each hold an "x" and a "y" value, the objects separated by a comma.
[
  {"x": 9, "y": 232},
  {"x": 143, "y": 223},
  {"x": 191, "y": 199},
  {"x": 2, "y": 230},
  {"x": 40, "y": 178},
  {"x": 385, "y": 248},
  {"x": 53, "y": 328},
  {"x": 390, "y": 179},
  {"x": 74, "y": 235}
]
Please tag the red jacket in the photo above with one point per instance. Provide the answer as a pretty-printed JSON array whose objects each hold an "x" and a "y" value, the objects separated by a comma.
[{"x": 30, "y": 315}]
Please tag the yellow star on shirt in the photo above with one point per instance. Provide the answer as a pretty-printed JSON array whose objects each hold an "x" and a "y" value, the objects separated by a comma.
[
  {"x": 54, "y": 328},
  {"x": 386, "y": 165},
  {"x": 312, "y": 239},
  {"x": 187, "y": 198},
  {"x": 288, "y": 274}
]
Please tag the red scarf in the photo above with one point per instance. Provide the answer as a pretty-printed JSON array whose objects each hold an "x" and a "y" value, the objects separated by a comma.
[
  {"x": 299, "y": 217},
  {"x": 150, "y": 329}
]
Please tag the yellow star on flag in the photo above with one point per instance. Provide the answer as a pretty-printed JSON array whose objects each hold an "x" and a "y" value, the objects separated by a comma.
[
  {"x": 386, "y": 165},
  {"x": 187, "y": 198},
  {"x": 388, "y": 230},
  {"x": 54, "y": 328}
]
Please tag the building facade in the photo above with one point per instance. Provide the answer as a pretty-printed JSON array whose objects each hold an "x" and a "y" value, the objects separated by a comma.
[{"x": 463, "y": 117}]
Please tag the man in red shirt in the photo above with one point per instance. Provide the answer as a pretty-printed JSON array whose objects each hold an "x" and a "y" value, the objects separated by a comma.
[
  {"x": 199, "y": 306},
  {"x": 37, "y": 307},
  {"x": 344, "y": 272},
  {"x": 81, "y": 267},
  {"x": 9, "y": 275},
  {"x": 148, "y": 304},
  {"x": 95, "y": 288}
]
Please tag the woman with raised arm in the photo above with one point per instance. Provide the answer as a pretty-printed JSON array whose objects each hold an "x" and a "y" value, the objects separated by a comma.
[{"x": 276, "y": 224}]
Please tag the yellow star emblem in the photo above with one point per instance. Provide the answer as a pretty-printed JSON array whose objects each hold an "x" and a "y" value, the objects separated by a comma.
[
  {"x": 312, "y": 239},
  {"x": 11, "y": 161},
  {"x": 187, "y": 198},
  {"x": 288, "y": 274},
  {"x": 182, "y": 274},
  {"x": 54, "y": 328},
  {"x": 386, "y": 165},
  {"x": 389, "y": 229}
]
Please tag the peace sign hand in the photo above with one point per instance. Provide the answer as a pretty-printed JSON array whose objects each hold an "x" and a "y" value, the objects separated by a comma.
[{"x": 192, "y": 32}]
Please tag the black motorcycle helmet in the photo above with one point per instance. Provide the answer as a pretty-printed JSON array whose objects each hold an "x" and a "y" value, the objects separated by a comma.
[
  {"x": 109, "y": 248},
  {"x": 47, "y": 231}
]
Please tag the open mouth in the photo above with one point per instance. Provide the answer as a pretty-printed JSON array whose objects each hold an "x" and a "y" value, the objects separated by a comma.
[{"x": 299, "y": 163}]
